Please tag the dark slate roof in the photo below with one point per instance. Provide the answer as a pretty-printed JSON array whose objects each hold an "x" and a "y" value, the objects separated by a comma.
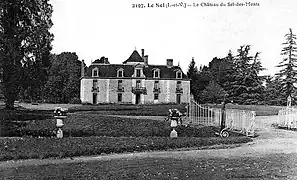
[
  {"x": 110, "y": 71},
  {"x": 102, "y": 60},
  {"x": 135, "y": 57}
]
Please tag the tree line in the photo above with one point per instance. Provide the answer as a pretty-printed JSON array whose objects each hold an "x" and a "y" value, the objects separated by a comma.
[{"x": 237, "y": 76}]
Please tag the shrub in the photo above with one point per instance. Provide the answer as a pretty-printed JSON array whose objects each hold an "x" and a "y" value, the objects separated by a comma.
[{"x": 75, "y": 100}]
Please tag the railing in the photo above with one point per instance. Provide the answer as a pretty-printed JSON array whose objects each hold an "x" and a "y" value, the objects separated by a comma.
[
  {"x": 179, "y": 90},
  {"x": 120, "y": 89},
  {"x": 287, "y": 118},
  {"x": 139, "y": 90},
  {"x": 238, "y": 120},
  {"x": 95, "y": 89},
  {"x": 200, "y": 115},
  {"x": 156, "y": 90}
]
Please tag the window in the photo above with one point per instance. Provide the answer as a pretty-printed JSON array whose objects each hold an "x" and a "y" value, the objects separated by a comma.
[
  {"x": 156, "y": 85},
  {"x": 178, "y": 84},
  {"x": 119, "y": 97},
  {"x": 157, "y": 73},
  {"x": 95, "y": 83},
  {"x": 178, "y": 75},
  {"x": 120, "y": 73},
  {"x": 156, "y": 96},
  {"x": 95, "y": 72},
  {"x": 138, "y": 72},
  {"x": 178, "y": 98},
  {"x": 138, "y": 84},
  {"x": 120, "y": 82}
]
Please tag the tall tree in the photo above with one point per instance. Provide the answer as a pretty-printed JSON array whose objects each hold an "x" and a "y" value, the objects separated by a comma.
[
  {"x": 64, "y": 78},
  {"x": 192, "y": 74},
  {"x": 288, "y": 64},
  {"x": 213, "y": 93},
  {"x": 24, "y": 38},
  {"x": 272, "y": 93},
  {"x": 247, "y": 85}
]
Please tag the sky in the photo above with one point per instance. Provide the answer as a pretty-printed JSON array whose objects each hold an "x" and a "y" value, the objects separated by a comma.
[{"x": 114, "y": 29}]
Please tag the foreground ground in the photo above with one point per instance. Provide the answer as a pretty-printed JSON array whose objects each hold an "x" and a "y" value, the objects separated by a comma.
[{"x": 272, "y": 155}]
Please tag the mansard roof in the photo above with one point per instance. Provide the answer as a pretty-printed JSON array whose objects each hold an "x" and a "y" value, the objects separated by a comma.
[
  {"x": 110, "y": 71},
  {"x": 102, "y": 60},
  {"x": 107, "y": 70}
]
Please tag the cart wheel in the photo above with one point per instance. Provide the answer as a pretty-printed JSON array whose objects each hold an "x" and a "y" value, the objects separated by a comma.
[{"x": 224, "y": 134}]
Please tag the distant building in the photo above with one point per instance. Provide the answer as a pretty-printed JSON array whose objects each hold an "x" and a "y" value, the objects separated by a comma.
[{"x": 134, "y": 81}]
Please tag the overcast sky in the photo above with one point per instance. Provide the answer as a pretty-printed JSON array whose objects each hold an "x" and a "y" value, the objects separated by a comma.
[{"x": 95, "y": 28}]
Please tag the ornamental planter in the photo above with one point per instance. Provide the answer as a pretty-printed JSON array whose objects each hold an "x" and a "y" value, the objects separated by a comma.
[{"x": 60, "y": 114}]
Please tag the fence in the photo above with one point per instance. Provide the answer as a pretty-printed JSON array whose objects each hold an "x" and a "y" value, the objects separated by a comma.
[
  {"x": 237, "y": 120},
  {"x": 287, "y": 117}
]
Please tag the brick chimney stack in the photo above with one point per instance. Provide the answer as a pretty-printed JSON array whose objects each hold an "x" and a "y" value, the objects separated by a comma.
[
  {"x": 169, "y": 63},
  {"x": 145, "y": 60},
  {"x": 142, "y": 53},
  {"x": 82, "y": 68}
]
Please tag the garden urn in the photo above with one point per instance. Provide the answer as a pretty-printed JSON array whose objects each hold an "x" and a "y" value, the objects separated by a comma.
[
  {"x": 173, "y": 133},
  {"x": 60, "y": 114}
]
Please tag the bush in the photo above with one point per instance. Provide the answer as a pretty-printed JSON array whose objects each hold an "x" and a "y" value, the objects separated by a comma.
[{"x": 75, "y": 100}]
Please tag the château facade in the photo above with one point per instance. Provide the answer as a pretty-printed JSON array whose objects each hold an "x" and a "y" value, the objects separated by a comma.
[{"x": 134, "y": 81}]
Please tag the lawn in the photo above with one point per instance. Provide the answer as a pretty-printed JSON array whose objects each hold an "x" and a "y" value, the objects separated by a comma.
[
  {"x": 148, "y": 110},
  {"x": 90, "y": 130},
  {"x": 91, "y": 133},
  {"x": 268, "y": 167},
  {"x": 28, "y": 147},
  {"x": 261, "y": 110}
]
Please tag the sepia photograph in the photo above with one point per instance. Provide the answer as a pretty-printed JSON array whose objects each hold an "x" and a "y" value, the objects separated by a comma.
[{"x": 148, "y": 89}]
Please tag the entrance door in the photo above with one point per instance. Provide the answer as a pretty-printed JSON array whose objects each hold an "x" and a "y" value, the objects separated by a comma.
[
  {"x": 137, "y": 100},
  {"x": 94, "y": 98},
  {"x": 178, "y": 98}
]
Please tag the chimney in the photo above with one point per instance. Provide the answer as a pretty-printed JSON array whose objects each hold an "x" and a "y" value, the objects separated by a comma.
[
  {"x": 142, "y": 53},
  {"x": 82, "y": 68},
  {"x": 169, "y": 63},
  {"x": 146, "y": 60},
  {"x": 106, "y": 60}
]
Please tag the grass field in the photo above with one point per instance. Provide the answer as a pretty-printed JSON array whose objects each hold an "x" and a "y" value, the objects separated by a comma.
[
  {"x": 92, "y": 133},
  {"x": 147, "y": 110},
  {"x": 88, "y": 129},
  {"x": 28, "y": 147},
  {"x": 268, "y": 167}
]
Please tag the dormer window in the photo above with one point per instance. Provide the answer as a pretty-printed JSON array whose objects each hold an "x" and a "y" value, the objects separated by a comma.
[
  {"x": 138, "y": 72},
  {"x": 95, "y": 72},
  {"x": 120, "y": 73},
  {"x": 157, "y": 73},
  {"x": 178, "y": 75}
]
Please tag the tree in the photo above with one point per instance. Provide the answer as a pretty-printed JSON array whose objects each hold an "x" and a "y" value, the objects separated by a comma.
[
  {"x": 202, "y": 81},
  {"x": 272, "y": 93},
  {"x": 64, "y": 78},
  {"x": 288, "y": 64},
  {"x": 246, "y": 86},
  {"x": 24, "y": 38},
  {"x": 213, "y": 93},
  {"x": 192, "y": 74}
]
